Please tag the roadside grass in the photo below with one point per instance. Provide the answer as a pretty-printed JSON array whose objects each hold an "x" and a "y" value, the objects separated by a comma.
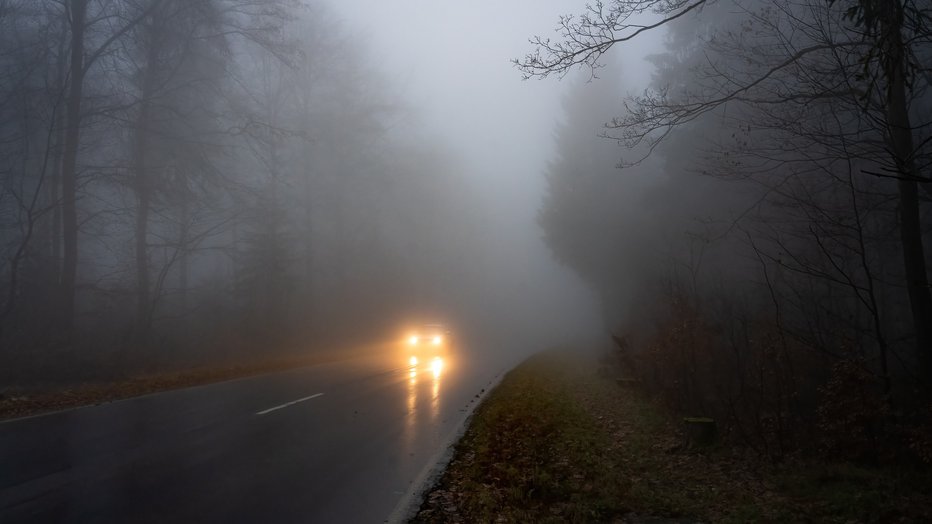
[
  {"x": 849, "y": 493},
  {"x": 531, "y": 454},
  {"x": 556, "y": 442}
]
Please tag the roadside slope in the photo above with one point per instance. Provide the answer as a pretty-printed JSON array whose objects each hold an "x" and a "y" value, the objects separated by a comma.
[{"x": 555, "y": 442}]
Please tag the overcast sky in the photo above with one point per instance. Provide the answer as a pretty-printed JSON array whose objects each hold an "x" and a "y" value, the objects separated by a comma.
[{"x": 451, "y": 61}]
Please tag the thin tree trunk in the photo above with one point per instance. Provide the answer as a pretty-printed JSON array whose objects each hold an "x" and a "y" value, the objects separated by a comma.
[
  {"x": 900, "y": 139},
  {"x": 143, "y": 190},
  {"x": 184, "y": 239},
  {"x": 78, "y": 9},
  {"x": 55, "y": 182},
  {"x": 143, "y": 300},
  {"x": 54, "y": 197}
]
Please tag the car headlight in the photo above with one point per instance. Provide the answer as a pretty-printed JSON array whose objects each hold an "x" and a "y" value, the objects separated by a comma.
[
  {"x": 412, "y": 360},
  {"x": 437, "y": 339},
  {"x": 412, "y": 340}
]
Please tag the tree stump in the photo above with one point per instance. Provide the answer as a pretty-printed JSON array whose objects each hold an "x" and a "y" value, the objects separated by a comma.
[{"x": 701, "y": 431}]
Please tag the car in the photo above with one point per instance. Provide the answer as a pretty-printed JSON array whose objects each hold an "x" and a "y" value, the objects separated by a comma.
[{"x": 428, "y": 344}]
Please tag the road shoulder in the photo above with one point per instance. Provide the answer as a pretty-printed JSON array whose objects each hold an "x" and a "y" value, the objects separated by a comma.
[
  {"x": 556, "y": 442},
  {"x": 15, "y": 405}
]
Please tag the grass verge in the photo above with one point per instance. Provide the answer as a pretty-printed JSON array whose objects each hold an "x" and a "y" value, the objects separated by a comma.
[{"x": 555, "y": 442}]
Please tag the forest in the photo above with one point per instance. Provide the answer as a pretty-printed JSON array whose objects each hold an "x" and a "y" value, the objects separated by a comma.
[
  {"x": 199, "y": 181},
  {"x": 187, "y": 180},
  {"x": 756, "y": 219}
]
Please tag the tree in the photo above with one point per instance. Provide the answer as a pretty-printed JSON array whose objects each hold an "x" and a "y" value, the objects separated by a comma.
[
  {"x": 80, "y": 63},
  {"x": 31, "y": 97},
  {"x": 178, "y": 58},
  {"x": 877, "y": 43},
  {"x": 894, "y": 30}
]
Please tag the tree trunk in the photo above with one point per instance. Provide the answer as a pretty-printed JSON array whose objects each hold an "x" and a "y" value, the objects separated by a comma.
[
  {"x": 143, "y": 201},
  {"x": 143, "y": 190},
  {"x": 184, "y": 239},
  {"x": 900, "y": 141},
  {"x": 54, "y": 199},
  {"x": 69, "y": 215},
  {"x": 55, "y": 182},
  {"x": 309, "y": 239}
]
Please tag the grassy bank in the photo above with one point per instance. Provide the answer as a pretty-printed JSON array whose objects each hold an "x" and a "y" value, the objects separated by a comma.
[{"x": 555, "y": 442}]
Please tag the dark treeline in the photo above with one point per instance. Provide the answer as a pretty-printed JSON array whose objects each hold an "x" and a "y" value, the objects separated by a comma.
[
  {"x": 181, "y": 179},
  {"x": 762, "y": 255}
]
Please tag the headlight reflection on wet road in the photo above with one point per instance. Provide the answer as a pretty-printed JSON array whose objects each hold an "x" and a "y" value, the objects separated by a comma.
[
  {"x": 437, "y": 367},
  {"x": 418, "y": 399}
]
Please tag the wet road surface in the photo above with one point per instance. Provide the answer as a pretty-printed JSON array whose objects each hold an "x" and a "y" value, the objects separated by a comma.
[{"x": 338, "y": 442}]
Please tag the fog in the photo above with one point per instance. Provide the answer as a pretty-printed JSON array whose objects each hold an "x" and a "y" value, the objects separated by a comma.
[
  {"x": 732, "y": 195},
  {"x": 451, "y": 68},
  {"x": 453, "y": 62},
  {"x": 331, "y": 176}
]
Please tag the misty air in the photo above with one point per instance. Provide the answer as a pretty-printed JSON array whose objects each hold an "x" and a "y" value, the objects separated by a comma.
[{"x": 350, "y": 261}]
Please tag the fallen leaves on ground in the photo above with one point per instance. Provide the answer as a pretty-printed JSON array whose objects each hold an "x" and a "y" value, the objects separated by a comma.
[{"x": 557, "y": 442}]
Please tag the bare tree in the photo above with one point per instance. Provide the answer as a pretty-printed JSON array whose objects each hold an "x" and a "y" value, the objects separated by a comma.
[
  {"x": 30, "y": 102},
  {"x": 81, "y": 61},
  {"x": 875, "y": 43}
]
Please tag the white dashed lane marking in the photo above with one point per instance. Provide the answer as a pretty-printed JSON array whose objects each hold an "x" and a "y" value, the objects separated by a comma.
[{"x": 285, "y": 405}]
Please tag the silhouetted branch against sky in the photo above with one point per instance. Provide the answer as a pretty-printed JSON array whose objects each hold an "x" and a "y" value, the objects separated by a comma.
[{"x": 586, "y": 37}]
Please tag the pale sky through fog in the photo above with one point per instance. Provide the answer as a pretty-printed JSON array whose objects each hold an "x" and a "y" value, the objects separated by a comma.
[{"x": 451, "y": 62}]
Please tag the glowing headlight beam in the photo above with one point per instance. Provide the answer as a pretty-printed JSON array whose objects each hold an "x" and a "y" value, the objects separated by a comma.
[{"x": 437, "y": 340}]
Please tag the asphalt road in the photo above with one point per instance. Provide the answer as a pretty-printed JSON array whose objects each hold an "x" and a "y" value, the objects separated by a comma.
[{"x": 341, "y": 442}]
